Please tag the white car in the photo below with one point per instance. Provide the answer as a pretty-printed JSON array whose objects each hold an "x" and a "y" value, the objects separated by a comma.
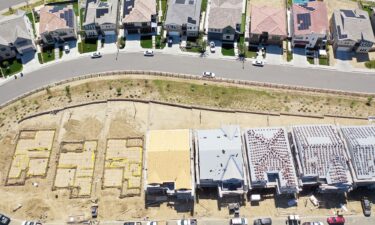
[
  {"x": 212, "y": 47},
  {"x": 152, "y": 223},
  {"x": 258, "y": 63},
  {"x": 96, "y": 55},
  {"x": 66, "y": 47},
  {"x": 187, "y": 222},
  {"x": 208, "y": 74},
  {"x": 238, "y": 221},
  {"x": 148, "y": 53}
]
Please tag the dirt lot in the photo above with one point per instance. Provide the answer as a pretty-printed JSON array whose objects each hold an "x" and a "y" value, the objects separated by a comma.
[
  {"x": 121, "y": 119},
  {"x": 339, "y": 4}
]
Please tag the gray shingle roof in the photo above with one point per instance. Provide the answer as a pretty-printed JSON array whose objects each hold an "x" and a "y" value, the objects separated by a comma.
[
  {"x": 13, "y": 27},
  {"x": 225, "y": 13},
  {"x": 220, "y": 153},
  {"x": 353, "y": 25},
  {"x": 101, "y": 12},
  {"x": 183, "y": 11}
]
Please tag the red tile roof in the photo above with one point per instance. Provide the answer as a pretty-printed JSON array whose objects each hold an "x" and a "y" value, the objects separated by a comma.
[
  {"x": 318, "y": 16},
  {"x": 268, "y": 19}
]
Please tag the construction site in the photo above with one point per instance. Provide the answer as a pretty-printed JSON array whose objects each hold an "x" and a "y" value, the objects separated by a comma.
[{"x": 95, "y": 152}]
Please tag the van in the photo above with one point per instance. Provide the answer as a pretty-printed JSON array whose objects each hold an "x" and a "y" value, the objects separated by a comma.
[{"x": 238, "y": 221}]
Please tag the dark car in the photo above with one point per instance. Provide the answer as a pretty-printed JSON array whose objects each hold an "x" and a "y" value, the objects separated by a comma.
[
  {"x": 94, "y": 211},
  {"x": 263, "y": 221},
  {"x": 170, "y": 41},
  {"x": 366, "y": 206},
  {"x": 4, "y": 220}
]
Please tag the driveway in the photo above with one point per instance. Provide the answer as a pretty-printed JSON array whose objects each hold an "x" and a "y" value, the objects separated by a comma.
[
  {"x": 73, "y": 53},
  {"x": 343, "y": 60},
  {"x": 299, "y": 57},
  {"x": 274, "y": 54},
  {"x": 133, "y": 42},
  {"x": 175, "y": 48}
]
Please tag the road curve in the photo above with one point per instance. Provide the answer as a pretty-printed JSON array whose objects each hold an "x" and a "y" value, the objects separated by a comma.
[{"x": 288, "y": 75}]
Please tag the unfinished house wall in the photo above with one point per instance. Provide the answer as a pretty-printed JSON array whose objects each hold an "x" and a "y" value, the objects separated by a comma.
[
  {"x": 75, "y": 168},
  {"x": 31, "y": 156},
  {"x": 123, "y": 165}
]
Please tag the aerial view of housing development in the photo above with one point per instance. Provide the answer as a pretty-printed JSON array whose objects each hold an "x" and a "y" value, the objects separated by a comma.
[{"x": 187, "y": 112}]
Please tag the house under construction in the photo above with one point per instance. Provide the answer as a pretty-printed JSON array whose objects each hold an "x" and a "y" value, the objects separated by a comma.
[
  {"x": 321, "y": 158},
  {"x": 270, "y": 160},
  {"x": 360, "y": 142},
  {"x": 169, "y": 167},
  {"x": 220, "y": 162}
]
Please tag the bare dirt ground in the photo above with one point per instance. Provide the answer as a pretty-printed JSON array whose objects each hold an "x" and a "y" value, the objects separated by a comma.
[
  {"x": 333, "y": 5},
  {"x": 121, "y": 119}
]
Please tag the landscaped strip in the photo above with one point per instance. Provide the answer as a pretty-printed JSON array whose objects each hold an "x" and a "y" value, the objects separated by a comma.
[{"x": 88, "y": 45}]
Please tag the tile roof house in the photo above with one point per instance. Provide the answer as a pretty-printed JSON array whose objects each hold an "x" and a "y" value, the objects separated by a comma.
[
  {"x": 183, "y": 18},
  {"x": 270, "y": 160},
  {"x": 224, "y": 19},
  {"x": 140, "y": 16},
  {"x": 309, "y": 25},
  {"x": 360, "y": 141},
  {"x": 169, "y": 170},
  {"x": 351, "y": 31},
  {"x": 321, "y": 158},
  {"x": 100, "y": 18},
  {"x": 57, "y": 23},
  {"x": 267, "y": 25},
  {"x": 16, "y": 36},
  {"x": 219, "y": 160}
]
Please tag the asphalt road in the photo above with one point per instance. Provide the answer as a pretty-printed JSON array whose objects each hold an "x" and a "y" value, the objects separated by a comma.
[
  {"x": 288, "y": 75},
  {"x": 4, "y": 4}
]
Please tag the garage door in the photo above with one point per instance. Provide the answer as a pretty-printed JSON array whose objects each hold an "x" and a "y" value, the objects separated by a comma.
[
  {"x": 344, "y": 49},
  {"x": 174, "y": 33},
  {"x": 109, "y": 32}
]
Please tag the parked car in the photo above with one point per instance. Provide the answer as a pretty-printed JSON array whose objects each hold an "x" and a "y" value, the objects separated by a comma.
[
  {"x": 263, "y": 221},
  {"x": 212, "y": 47},
  {"x": 258, "y": 63},
  {"x": 313, "y": 223},
  {"x": 31, "y": 223},
  {"x": 208, "y": 74},
  {"x": 293, "y": 220},
  {"x": 132, "y": 223},
  {"x": 148, "y": 53},
  {"x": 96, "y": 55},
  {"x": 366, "y": 206},
  {"x": 170, "y": 41},
  {"x": 238, "y": 221},
  {"x": 336, "y": 220},
  {"x": 152, "y": 223},
  {"x": 4, "y": 220},
  {"x": 94, "y": 211},
  {"x": 187, "y": 222},
  {"x": 66, "y": 47}
]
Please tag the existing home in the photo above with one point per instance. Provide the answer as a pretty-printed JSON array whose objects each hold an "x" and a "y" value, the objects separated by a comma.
[
  {"x": 140, "y": 16},
  {"x": 57, "y": 23},
  {"x": 267, "y": 25},
  {"x": 224, "y": 19},
  {"x": 220, "y": 162},
  {"x": 270, "y": 160},
  {"x": 169, "y": 168},
  {"x": 351, "y": 31},
  {"x": 100, "y": 18},
  {"x": 183, "y": 18},
  {"x": 309, "y": 25},
  {"x": 16, "y": 36}
]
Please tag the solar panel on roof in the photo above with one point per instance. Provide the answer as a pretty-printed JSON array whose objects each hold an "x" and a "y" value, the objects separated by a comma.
[
  {"x": 180, "y": 1},
  {"x": 348, "y": 13},
  {"x": 304, "y": 21},
  {"x": 128, "y": 6}
]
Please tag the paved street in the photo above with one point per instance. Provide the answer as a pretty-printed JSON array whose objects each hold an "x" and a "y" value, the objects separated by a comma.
[
  {"x": 280, "y": 74},
  {"x": 4, "y": 4}
]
